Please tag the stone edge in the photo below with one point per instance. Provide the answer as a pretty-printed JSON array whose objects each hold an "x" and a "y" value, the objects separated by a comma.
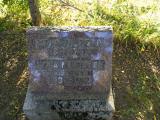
[{"x": 35, "y": 29}]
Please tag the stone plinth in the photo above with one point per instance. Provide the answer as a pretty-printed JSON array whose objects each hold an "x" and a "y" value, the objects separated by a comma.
[{"x": 70, "y": 73}]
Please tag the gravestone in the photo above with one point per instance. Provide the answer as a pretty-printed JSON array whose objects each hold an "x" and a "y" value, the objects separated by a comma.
[{"x": 70, "y": 73}]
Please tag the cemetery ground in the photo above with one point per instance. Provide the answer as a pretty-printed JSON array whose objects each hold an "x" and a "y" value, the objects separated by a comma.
[
  {"x": 136, "y": 79},
  {"x": 136, "y": 51}
]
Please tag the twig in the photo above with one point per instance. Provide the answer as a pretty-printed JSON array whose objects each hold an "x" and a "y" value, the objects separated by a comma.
[{"x": 72, "y": 6}]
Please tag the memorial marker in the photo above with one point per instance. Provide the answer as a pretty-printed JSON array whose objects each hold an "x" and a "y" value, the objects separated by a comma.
[{"x": 70, "y": 73}]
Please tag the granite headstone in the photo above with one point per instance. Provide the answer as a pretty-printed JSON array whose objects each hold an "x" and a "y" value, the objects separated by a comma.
[{"x": 70, "y": 73}]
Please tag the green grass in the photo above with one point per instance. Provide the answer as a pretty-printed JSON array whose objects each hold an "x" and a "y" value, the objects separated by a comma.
[{"x": 129, "y": 21}]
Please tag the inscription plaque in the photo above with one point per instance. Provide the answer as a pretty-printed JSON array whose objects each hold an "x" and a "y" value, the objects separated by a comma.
[{"x": 66, "y": 62}]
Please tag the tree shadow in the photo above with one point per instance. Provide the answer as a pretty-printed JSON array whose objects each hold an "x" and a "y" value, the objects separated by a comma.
[
  {"x": 136, "y": 79},
  {"x": 13, "y": 65}
]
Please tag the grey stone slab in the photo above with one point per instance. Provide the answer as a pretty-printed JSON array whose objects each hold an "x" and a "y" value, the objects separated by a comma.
[{"x": 70, "y": 73}]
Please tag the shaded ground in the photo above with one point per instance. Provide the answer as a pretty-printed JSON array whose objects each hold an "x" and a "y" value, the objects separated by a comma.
[
  {"x": 136, "y": 79},
  {"x": 136, "y": 82},
  {"x": 13, "y": 78}
]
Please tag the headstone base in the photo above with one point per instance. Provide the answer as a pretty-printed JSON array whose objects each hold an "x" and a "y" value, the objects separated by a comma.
[{"x": 44, "y": 111}]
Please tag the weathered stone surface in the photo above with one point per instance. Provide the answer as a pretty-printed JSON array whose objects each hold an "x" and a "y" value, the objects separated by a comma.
[
  {"x": 68, "y": 109},
  {"x": 70, "y": 72}
]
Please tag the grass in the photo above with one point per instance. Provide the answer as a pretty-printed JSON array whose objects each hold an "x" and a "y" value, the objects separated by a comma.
[{"x": 129, "y": 21}]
